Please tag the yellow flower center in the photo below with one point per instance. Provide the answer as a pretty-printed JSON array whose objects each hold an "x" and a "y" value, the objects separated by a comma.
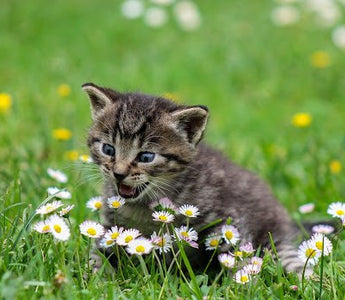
[
  {"x": 98, "y": 204},
  {"x": 64, "y": 90},
  {"x": 57, "y": 228},
  {"x": 62, "y": 134},
  {"x": 340, "y": 212},
  {"x": 161, "y": 242},
  {"x": 310, "y": 253},
  {"x": 91, "y": 231},
  {"x": 163, "y": 218},
  {"x": 214, "y": 243},
  {"x": 46, "y": 228},
  {"x": 244, "y": 278},
  {"x": 229, "y": 235},
  {"x": 84, "y": 158},
  {"x": 238, "y": 253},
  {"x": 319, "y": 245},
  {"x": 5, "y": 102},
  {"x": 184, "y": 234},
  {"x": 128, "y": 239},
  {"x": 320, "y": 59},
  {"x": 49, "y": 208},
  {"x": 335, "y": 166},
  {"x": 114, "y": 235},
  {"x": 188, "y": 212},
  {"x": 116, "y": 204},
  {"x": 301, "y": 120},
  {"x": 140, "y": 249},
  {"x": 109, "y": 242},
  {"x": 71, "y": 155}
]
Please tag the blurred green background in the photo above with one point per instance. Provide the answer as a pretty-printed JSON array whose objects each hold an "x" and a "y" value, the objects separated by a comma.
[{"x": 253, "y": 71}]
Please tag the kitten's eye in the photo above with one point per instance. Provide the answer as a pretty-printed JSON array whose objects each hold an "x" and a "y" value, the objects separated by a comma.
[
  {"x": 108, "y": 149},
  {"x": 146, "y": 157}
]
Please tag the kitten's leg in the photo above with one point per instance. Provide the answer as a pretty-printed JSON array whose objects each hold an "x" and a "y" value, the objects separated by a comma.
[
  {"x": 99, "y": 254},
  {"x": 287, "y": 253}
]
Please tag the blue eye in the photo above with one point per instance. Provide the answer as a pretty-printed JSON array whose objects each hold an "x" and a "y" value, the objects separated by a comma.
[
  {"x": 146, "y": 157},
  {"x": 108, "y": 149}
]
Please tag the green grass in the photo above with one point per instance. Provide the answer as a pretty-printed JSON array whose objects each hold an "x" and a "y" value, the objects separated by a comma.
[{"x": 251, "y": 74}]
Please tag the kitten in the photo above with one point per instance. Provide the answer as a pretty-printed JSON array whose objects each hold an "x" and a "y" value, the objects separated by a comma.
[{"x": 148, "y": 147}]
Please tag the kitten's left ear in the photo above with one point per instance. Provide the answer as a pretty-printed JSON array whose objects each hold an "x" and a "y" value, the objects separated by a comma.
[
  {"x": 99, "y": 97},
  {"x": 191, "y": 121}
]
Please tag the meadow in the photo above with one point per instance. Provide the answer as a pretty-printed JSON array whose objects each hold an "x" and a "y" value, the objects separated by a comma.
[{"x": 273, "y": 81}]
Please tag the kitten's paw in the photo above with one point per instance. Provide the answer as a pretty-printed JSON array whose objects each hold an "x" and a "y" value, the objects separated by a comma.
[{"x": 95, "y": 262}]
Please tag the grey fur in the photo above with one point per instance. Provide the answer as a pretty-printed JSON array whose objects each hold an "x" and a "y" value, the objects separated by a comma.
[{"x": 186, "y": 171}]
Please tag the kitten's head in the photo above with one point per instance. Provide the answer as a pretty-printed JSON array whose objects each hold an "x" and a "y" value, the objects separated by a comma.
[{"x": 139, "y": 141}]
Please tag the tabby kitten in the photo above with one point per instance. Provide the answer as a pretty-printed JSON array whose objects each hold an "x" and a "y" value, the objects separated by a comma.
[{"x": 148, "y": 147}]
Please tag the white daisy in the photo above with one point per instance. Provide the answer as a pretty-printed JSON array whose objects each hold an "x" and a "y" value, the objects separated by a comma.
[
  {"x": 306, "y": 251},
  {"x": 42, "y": 227},
  {"x": 48, "y": 208},
  {"x": 230, "y": 234},
  {"x": 64, "y": 212},
  {"x": 247, "y": 248},
  {"x": 285, "y": 15},
  {"x": 325, "y": 229},
  {"x": 306, "y": 208},
  {"x": 319, "y": 241},
  {"x": 256, "y": 261},
  {"x": 59, "y": 228},
  {"x": 106, "y": 242},
  {"x": 187, "y": 14},
  {"x": 127, "y": 235},
  {"x": 95, "y": 203},
  {"x": 113, "y": 233},
  {"x": 212, "y": 241},
  {"x": 57, "y": 175},
  {"x": 226, "y": 260},
  {"x": 338, "y": 36},
  {"x": 183, "y": 233},
  {"x": 86, "y": 159},
  {"x": 155, "y": 17},
  {"x": 161, "y": 243},
  {"x": 163, "y": 216},
  {"x": 336, "y": 209},
  {"x": 189, "y": 211},
  {"x": 163, "y": 204},
  {"x": 132, "y": 9},
  {"x": 91, "y": 229},
  {"x": 252, "y": 269},
  {"x": 242, "y": 276},
  {"x": 115, "y": 202},
  {"x": 62, "y": 194},
  {"x": 139, "y": 246},
  {"x": 162, "y": 2}
]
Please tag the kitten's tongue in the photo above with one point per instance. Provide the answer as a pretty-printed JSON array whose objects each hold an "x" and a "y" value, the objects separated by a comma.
[{"x": 126, "y": 191}]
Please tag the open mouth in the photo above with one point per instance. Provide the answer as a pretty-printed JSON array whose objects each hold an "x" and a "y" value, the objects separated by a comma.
[{"x": 127, "y": 191}]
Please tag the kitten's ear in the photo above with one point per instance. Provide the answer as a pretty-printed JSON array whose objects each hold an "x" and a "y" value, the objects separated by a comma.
[
  {"x": 99, "y": 97},
  {"x": 191, "y": 121}
]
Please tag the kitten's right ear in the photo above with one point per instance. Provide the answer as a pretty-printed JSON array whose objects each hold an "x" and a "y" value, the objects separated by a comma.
[{"x": 99, "y": 97}]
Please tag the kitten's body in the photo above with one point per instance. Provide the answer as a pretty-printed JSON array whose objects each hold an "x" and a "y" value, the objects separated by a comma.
[{"x": 184, "y": 170}]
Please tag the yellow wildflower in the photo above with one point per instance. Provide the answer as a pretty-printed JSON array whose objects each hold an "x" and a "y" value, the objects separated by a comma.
[
  {"x": 64, "y": 90},
  {"x": 173, "y": 97},
  {"x": 5, "y": 102},
  {"x": 335, "y": 166},
  {"x": 320, "y": 59},
  {"x": 71, "y": 155},
  {"x": 301, "y": 120},
  {"x": 62, "y": 134}
]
